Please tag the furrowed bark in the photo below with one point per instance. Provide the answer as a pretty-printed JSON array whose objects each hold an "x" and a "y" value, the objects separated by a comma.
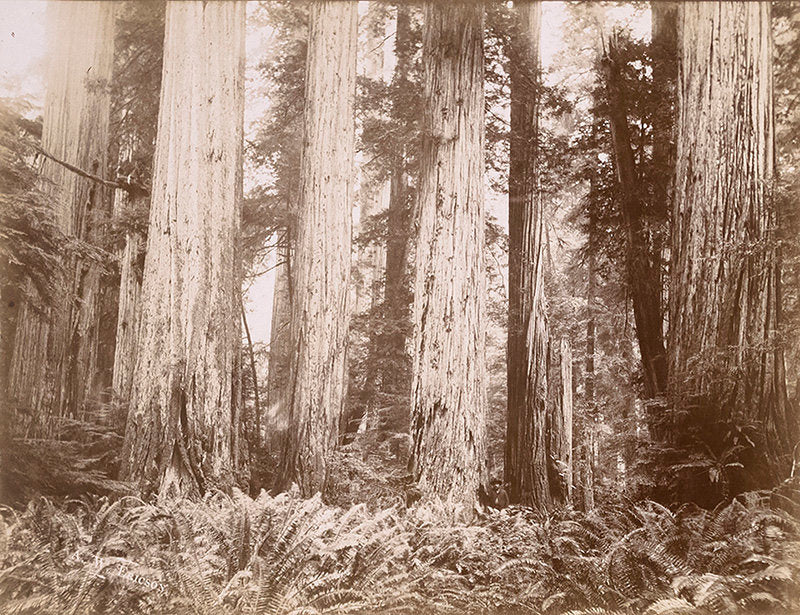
[
  {"x": 448, "y": 390},
  {"x": 321, "y": 268},
  {"x": 559, "y": 423},
  {"x": 526, "y": 464},
  {"x": 180, "y": 438},
  {"x": 54, "y": 366},
  {"x": 129, "y": 306},
  {"x": 726, "y": 361}
]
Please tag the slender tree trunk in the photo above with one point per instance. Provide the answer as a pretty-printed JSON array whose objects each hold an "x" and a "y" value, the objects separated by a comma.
[
  {"x": 397, "y": 290},
  {"x": 254, "y": 375},
  {"x": 180, "y": 437},
  {"x": 276, "y": 418},
  {"x": 726, "y": 361},
  {"x": 643, "y": 262},
  {"x": 373, "y": 196},
  {"x": 526, "y": 465},
  {"x": 587, "y": 454},
  {"x": 566, "y": 412},
  {"x": 368, "y": 281},
  {"x": 321, "y": 270},
  {"x": 448, "y": 390},
  {"x": 664, "y": 36},
  {"x": 559, "y": 424},
  {"x": 134, "y": 126},
  {"x": 591, "y": 408},
  {"x": 129, "y": 306},
  {"x": 54, "y": 365}
]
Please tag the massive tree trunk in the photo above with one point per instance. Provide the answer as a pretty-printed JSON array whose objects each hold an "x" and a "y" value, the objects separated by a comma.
[
  {"x": 321, "y": 269},
  {"x": 54, "y": 367},
  {"x": 180, "y": 436},
  {"x": 643, "y": 261},
  {"x": 726, "y": 361},
  {"x": 448, "y": 390},
  {"x": 526, "y": 445}
]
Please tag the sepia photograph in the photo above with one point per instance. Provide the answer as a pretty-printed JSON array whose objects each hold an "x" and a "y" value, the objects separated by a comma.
[{"x": 422, "y": 307}]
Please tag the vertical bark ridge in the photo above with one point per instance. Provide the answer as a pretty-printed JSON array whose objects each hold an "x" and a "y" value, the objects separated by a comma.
[
  {"x": 448, "y": 390},
  {"x": 526, "y": 463},
  {"x": 321, "y": 269},
  {"x": 724, "y": 310},
  {"x": 54, "y": 367},
  {"x": 180, "y": 436}
]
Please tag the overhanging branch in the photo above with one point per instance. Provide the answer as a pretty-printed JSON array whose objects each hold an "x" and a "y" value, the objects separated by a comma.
[{"x": 127, "y": 186}]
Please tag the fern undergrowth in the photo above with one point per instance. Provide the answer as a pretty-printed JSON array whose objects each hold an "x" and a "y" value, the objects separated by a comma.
[{"x": 281, "y": 555}]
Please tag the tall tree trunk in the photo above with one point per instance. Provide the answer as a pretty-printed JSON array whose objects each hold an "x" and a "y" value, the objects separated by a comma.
[
  {"x": 559, "y": 424},
  {"x": 276, "y": 417},
  {"x": 526, "y": 446},
  {"x": 129, "y": 306},
  {"x": 448, "y": 390},
  {"x": 134, "y": 126},
  {"x": 587, "y": 461},
  {"x": 643, "y": 262},
  {"x": 180, "y": 436},
  {"x": 587, "y": 456},
  {"x": 726, "y": 361},
  {"x": 664, "y": 37},
  {"x": 54, "y": 365},
  {"x": 373, "y": 198},
  {"x": 321, "y": 269},
  {"x": 397, "y": 289}
]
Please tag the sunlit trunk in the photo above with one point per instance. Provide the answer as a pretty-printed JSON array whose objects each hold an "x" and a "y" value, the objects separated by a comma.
[
  {"x": 321, "y": 267},
  {"x": 448, "y": 390},
  {"x": 181, "y": 432}
]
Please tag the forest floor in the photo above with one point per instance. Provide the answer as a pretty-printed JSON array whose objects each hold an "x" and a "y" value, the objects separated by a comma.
[{"x": 285, "y": 554}]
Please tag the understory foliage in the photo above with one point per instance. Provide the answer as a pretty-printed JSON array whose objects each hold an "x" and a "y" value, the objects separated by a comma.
[{"x": 283, "y": 554}]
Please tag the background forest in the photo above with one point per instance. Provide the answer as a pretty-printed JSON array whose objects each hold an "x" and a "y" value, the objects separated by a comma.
[{"x": 472, "y": 307}]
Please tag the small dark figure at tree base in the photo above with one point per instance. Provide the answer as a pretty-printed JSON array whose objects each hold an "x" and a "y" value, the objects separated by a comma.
[{"x": 497, "y": 496}]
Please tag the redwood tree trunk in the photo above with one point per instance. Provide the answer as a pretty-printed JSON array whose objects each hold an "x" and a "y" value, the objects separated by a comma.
[
  {"x": 54, "y": 365},
  {"x": 526, "y": 464},
  {"x": 588, "y": 437},
  {"x": 448, "y": 390},
  {"x": 129, "y": 306},
  {"x": 397, "y": 290},
  {"x": 180, "y": 437},
  {"x": 726, "y": 361},
  {"x": 559, "y": 424},
  {"x": 321, "y": 269},
  {"x": 664, "y": 36},
  {"x": 279, "y": 341}
]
